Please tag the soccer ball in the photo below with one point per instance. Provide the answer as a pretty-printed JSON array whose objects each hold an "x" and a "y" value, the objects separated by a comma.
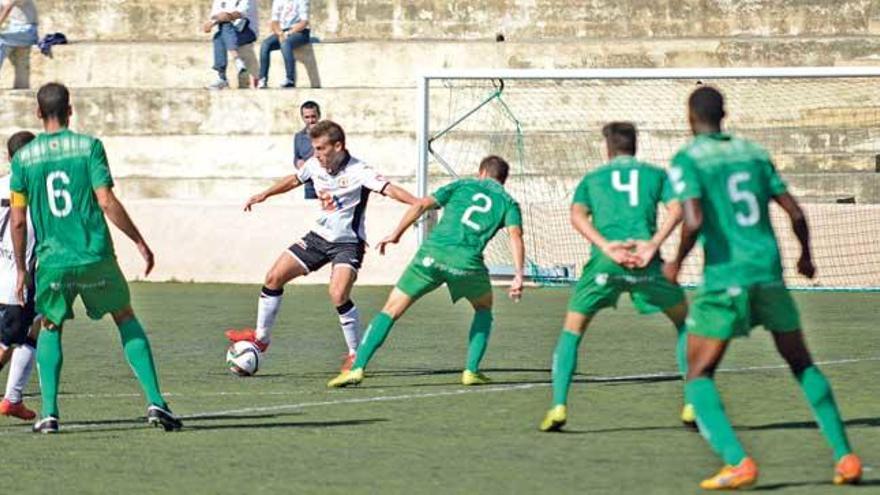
[{"x": 243, "y": 358}]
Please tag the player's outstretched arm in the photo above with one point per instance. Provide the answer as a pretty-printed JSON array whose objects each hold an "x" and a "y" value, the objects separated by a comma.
[
  {"x": 4, "y": 11},
  {"x": 690, "y": 229},
  {"x": 616, "y": 250},
  {"x": 801, "y": 231},
  {"x": 518, "y": 250},
  {"x": 18, "y": 225},
  {"x": 284, "y": 185},
  {"x": 418, "y": 208},
  {"x": 646, "y": 250},
  {"x": 114, "y": 210},
  {"x": 400, "y": 194}
]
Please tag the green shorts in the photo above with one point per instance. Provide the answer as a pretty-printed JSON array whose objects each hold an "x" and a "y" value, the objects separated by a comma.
[
  {"x": 425, "y": 273},
  {"x": 603, "y": 281},
  {"x": 101, "y": 285},
  {"x": 727, "y": 313}
]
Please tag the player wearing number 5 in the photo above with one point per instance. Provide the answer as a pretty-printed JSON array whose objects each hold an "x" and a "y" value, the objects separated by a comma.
[
  {"x": 64, "y": 179},
  {"x": 615, "y": 209},
  {"x": 726, "y": 184},
  {"x": 474, "y": 211}
]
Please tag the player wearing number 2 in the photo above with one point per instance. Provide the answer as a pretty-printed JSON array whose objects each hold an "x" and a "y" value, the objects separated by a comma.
[
  {"x": 726, "y": 185},
  {"x": 615, "y": 209},
  {"x": 474, "y": 211},
  {"x": 64, "y": 180}
]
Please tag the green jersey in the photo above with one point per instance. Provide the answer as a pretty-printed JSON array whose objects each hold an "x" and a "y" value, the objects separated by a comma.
[
  {"x": 474, "y": 210},
  {"x": 58, "y": 173},
  {"x": 622, "y": 197},
  {"x": 734, "y": 179}
]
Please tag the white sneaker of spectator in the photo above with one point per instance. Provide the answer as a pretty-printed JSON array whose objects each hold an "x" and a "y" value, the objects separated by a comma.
[
  {"x": 239, "y": 64},
  {"x": 219, "y": 84},
  {"x": 263, "y": 83}
]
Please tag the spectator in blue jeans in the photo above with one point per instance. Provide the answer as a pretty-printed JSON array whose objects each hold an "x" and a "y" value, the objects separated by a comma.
[
  {"x": 16, "y": 38},
  {"x": 302, "y": 143},
  {"x": 237, "y": 23},
  {"x": 290, "y": 30}
]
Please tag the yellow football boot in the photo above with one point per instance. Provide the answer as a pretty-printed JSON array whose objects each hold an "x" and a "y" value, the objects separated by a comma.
[
  {"x": 346, "y": 378},
  {"x": 469, "y": 378},
  {"x": 555, "y": 419},
  {"x": 733, "y": 477},
  {"x": 689, "y": 416}
]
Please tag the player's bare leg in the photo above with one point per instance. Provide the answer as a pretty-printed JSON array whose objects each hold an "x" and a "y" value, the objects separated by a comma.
[
  {"x": 704, "y": 356},
  {"x": 139, "y": 355},
  {"x": 285, "y": 269},
  {"x": 342, "y": 280},
  {"x": 478, "y": 339},
  {"x": 677, "y": 315},
  {"x": 817, "y": 390},
  {"x": 374, "y": 337},
  {"x": 564, "y": 367}
]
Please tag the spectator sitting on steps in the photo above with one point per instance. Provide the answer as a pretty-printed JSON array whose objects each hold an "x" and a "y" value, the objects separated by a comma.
[
  {"x": 18, "y": 37},
  {"x": 237, "y": 25},
  {"x": 290, "y": 30}
]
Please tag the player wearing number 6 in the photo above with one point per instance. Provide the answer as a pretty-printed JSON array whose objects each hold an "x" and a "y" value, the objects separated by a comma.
[
  {"x": 64, "y": 179},
  {"x": 474, "y": 211},
  {"x": 726, "y": 185},
  {"x": 615, "y": 209}
]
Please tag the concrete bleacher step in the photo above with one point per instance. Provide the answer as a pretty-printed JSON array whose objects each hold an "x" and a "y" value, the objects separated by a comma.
[
  {"x": 146, "y": 20},
  {"x": 397, "y": 63}
]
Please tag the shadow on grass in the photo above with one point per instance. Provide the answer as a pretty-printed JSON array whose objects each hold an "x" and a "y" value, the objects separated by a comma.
[
  {"x": 794, "y": 484},
  {"x": 811, "y": 425}
]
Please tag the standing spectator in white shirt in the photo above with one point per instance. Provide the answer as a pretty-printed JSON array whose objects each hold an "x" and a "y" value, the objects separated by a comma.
[
  {"x": 238, "y": 24},
  {"x": 290, "y": 30},
  {"x": 16, "y": 39}
]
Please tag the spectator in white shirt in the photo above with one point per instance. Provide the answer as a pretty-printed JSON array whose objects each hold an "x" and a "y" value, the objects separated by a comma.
[
  {"x": 290, "y": 30},
  {"x": 237, "y": 24},
  {"x": 17, "y": 37}
]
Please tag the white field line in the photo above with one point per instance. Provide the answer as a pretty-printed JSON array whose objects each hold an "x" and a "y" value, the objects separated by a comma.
[{"x": 428, "y": 395}]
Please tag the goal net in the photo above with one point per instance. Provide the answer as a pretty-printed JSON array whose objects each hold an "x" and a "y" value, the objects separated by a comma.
[{"x": 821, "y": 125}]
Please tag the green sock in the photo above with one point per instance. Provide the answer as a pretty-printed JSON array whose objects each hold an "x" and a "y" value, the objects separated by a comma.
[
  {"x": 478, "y": 338},
  {"x": 564, "y": 365},
  {"x": 713, "y": 422},
  {"x": 818, "y": 392},
  {"x": 49, "y": 360},
  {"x": 681, "y": 350},
  {"x": 140, "y": 358},
  {"x": 373, "y": 339}
]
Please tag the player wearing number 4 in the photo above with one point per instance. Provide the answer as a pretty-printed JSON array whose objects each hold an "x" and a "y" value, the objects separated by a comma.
[
  {"x": 474, "y": 211},
  {"x": 615, "y": 209},
  {"x": 726, "y": 185},
  {"x": 63, "y": 179}
]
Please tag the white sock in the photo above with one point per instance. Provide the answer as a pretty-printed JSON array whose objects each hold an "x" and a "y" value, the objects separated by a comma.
[
  {"x": 350, "y": 321},
  {"x": 20, "y": 368},
  {"x": 267, "y": 310}
]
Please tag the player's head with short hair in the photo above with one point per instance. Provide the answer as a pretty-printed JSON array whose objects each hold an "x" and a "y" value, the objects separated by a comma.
[
  {"x": 53, "y": 102},
  {"x": 494, "y": 167},
  {"x": 328, "y": 141},
  {"x": 17, "y": 141},
  {"x": 310, "y": 113},
  {"x": 620, "y": 138},
  {"x": 706, "y": 108}
]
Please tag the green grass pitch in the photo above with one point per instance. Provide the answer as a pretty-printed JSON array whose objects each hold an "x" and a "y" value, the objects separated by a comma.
[{"x": 410, "y": 428}]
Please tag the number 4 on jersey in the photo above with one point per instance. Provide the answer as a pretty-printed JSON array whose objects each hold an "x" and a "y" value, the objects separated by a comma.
[{"x": 630, "y": 187}]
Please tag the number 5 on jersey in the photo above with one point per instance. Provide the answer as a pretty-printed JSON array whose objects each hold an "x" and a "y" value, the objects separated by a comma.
[{"x": 482, "y": 204}]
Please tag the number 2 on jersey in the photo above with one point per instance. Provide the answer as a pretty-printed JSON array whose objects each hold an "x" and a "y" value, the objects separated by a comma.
[
  {"x": 631, "y": 187},
  {"x": 55, "y": 183},
  {"x": 482, "y": 204}
]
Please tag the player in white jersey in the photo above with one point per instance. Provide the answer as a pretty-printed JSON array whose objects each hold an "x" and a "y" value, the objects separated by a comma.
[
  {"x": 18, "y": 323},
  {"x": 343, "y": 184}
]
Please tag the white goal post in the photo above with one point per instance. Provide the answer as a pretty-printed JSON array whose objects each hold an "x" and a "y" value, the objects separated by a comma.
[{"x": 821, "y": 124}]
